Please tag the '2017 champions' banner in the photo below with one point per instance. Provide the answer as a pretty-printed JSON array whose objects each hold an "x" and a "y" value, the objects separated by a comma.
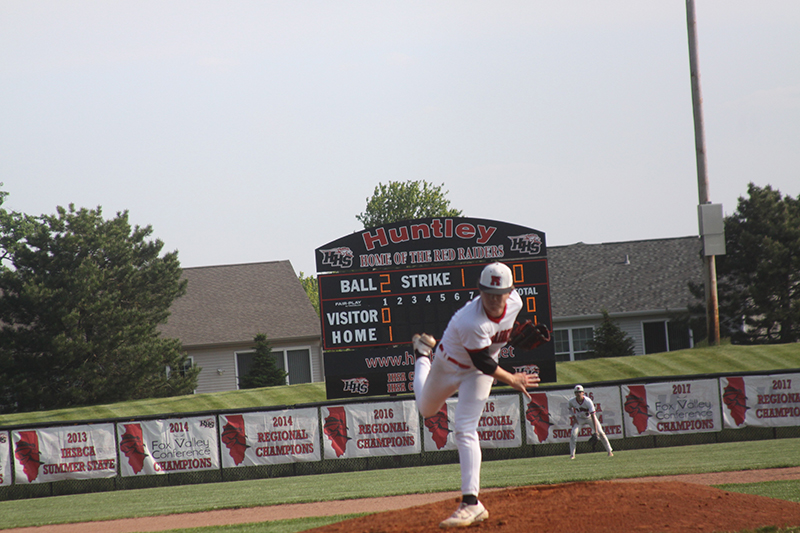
[
  {"x": 671, "y": 408},
  {"x": 55, "y": 454},
  {"x": 168, "y": 446},
  {"x": 498, "y": 427},
  {"x": 760, "y": 401},
  {"x": 371, "y": 429},
  {"x": 5, "y": 464},
  {"x": 549, "y": 419},
  {"x": 271, "y": 437}
]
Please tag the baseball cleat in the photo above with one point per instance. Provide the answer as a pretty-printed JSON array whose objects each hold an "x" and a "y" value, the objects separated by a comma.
[
  {"x": 423, "y": 344},
  {"x": 466, "y": 515}
]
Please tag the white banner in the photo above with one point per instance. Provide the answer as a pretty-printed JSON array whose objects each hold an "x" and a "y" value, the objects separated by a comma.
[
  {"x": 74, "y": 452},
  {"x": 760, "y": 401},
  {"x": 168, "y": 446},
  {"x": 549, "y": 420},
  {"x": 271, "y": 437},
  {"x": 372, "y": 429},
  {"x": 498, "y": 427},
  {"x": 671, "y": 408},
  {"x": 5, "y": 463}
]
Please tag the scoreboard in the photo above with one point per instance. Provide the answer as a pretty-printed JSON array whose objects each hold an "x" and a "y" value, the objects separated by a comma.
[{"x": 385, "y": 308}]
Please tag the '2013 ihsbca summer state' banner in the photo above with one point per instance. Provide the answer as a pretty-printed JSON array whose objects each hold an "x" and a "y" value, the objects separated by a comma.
[
  {"x": 549, "y": 419},
  {"x": 73, "y": 452},
  {"x": 5, "y": 464}
]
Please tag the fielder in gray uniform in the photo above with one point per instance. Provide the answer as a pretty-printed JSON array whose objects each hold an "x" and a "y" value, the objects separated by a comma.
[
  {"x": 465, "y": 360},
  {"x": 584, "y": 414}
]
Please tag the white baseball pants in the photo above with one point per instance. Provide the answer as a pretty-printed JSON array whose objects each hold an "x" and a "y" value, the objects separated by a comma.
[
  {"x": 576, "y": 427},
  {"x": 435, "y": 382}
]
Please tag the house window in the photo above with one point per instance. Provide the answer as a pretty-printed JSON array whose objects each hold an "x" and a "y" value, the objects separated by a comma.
[
  {"x": 572, "y": 344},
  {"x": 664, "y": 336},
  {"x": 296, "y": 363}
]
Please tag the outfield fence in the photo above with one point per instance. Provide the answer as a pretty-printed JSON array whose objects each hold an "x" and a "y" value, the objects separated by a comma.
[{"x": 51, "y": 459}]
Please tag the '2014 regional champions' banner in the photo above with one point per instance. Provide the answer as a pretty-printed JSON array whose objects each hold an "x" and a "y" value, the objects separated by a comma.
[
  {"x": 168, "y": 446},
  {"x": 549, "y": 419},
  {"x": 671, "y": 408},
  {"x": 760, "y": 401},
  {"x": 5, "y": 464},
  {"x": 74, "y": 452},
  {"x": 369, "y": 430},
  {"x": 271, "y": 437},
  {"x": 498, "y": 427}
]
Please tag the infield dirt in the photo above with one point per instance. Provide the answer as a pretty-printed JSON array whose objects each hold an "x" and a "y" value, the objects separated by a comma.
[{"x": 683, "y": 503}]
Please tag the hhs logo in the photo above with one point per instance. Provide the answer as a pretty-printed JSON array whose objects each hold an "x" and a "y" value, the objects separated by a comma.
[
  {"x": 341, "y": 257},
  {"x": 529, "y": 243},
  {"x": 527, "y": 369},
  {"x": 356, "y": 385}
]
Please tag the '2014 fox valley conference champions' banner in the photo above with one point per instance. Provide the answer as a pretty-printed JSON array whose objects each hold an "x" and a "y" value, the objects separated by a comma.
[
  {"x": 549, "y": 419},
  {"x": 168, "y": 446},
  {"x": 671, "y": 408},
  {"x": 273, "y": 437},
  {"x": 55, "y": 454},
  {"x": 760, "y": 401},
  {"x": 392, "y": 281}
]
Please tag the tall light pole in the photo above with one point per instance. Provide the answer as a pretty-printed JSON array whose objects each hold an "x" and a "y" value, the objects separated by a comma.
[{"x": 709, "y": 262}]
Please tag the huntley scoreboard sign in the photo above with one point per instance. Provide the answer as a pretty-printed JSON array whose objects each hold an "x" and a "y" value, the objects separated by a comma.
[{"x": 392, "y": 281}]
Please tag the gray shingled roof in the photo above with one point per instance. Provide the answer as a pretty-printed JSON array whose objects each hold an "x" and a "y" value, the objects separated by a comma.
[
  {"x": 232, "y": 303},
  {"x": 587, "y": 278}
]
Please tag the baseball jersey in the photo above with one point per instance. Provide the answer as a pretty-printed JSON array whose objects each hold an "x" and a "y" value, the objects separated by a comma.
[
  {"x": 582, "y": 411},
  {"x": 472, "y": 329}
]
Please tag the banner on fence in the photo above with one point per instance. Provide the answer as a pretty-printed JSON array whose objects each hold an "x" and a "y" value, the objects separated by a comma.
[
  {"x": 74, "y": 452},
  {"x": 272, "y": 437},
  {"x": 370, "y": 429},
  {"x": 760, "y": 401},
  {"x": 549, "y": 420},
  {"x": 498, "y": 427},
  {"x": 5, "y": 463},
  {"x": 671, "y": 408},
  {"x": 168, "y": 446}
]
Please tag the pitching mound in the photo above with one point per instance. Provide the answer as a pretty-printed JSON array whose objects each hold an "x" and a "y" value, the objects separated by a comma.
[{"x": 598, "y": 507}]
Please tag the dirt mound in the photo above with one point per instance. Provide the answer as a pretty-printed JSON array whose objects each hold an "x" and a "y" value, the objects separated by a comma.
[{"x": 598, "y": 507}]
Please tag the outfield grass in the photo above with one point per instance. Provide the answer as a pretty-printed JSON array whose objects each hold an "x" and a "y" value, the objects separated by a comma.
[
  {"x": 325, "y": 487},
  {"x": 719, "y": 359}
]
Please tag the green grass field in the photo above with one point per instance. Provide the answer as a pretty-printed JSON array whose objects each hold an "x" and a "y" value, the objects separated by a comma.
[{"x": 530, "y": 471}]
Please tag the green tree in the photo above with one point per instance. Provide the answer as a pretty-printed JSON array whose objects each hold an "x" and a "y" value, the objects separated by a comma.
[
  {"x": 264, "y": 372},
  {"x": 609, "y": 340},
  {"x": 81, "y": 301},
  {"x": 759, "y": 277},
  {"x": 408, "y": 200},
  {"x": 311, "y": 286}
]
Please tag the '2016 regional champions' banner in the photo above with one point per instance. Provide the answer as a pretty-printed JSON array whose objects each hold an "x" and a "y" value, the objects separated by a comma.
[
  {"x": 671, "y": 408},
  {"x": 371, "y": 429},
  {"x": 168, "y": 446},
  {"x": 498, "y": 427},
  {"x": 272, "y": 437},
  {"x": 5, "y": 464},
  {"x": 55, "y": 454},
  {"x": 760, "y": 401},
  {"x": 549, "y": 419}
]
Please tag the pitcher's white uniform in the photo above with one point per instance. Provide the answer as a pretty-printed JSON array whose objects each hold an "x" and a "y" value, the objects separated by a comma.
[
  {"x": 452, "y": 369},
  {"x": 583, "y": 413}
]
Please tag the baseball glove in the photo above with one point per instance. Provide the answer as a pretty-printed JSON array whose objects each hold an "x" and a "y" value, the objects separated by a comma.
[
  {"x": 593, "y": 440},
  {"x": 528, "y": 336}
]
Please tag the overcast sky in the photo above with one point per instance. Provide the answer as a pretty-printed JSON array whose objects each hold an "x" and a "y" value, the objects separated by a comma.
[{"x": 248, "y": 131}]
